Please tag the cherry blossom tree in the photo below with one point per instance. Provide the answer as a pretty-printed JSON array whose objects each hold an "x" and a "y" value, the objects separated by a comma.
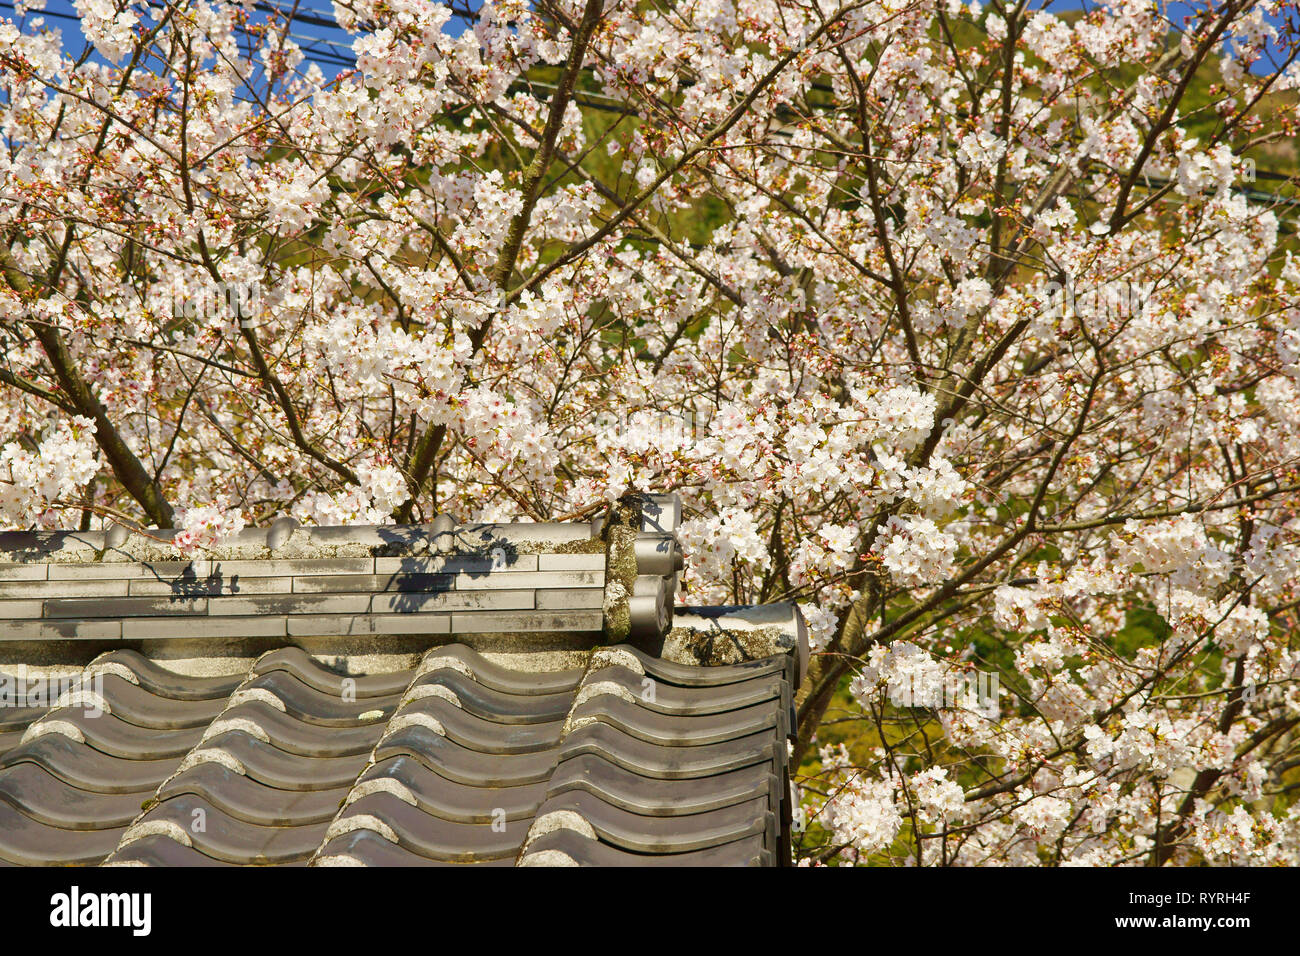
[{"x": 973, "y": 330}]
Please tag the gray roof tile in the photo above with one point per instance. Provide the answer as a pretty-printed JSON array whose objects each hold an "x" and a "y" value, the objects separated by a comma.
[
  {"x": 27, "y": 842},
  {"x": 45, "y": 798},
  {"x": 679, "y": 833},
  {"x": 160, "y": 850},
  {"x": 436, "y": 838},
  {"x": 296, "y": 661},
  {"x": 229, "y": 839},
  {"x": 368, "y": 848},
  {"x": 497, "y": 705},
  {"x": 161, "y": 682},
  {"x": 88, "y": 769},
  {"x": 583, "y": 851},
  {"x": 450, "y": 800},
  {"x": 244, "y": 798},
  {"x": 462, "y": 764},
  {"x": 620, "y": 787}
]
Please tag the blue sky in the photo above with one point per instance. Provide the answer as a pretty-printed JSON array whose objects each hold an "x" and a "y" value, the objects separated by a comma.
[
  {"x": 329, "y": 46},
  {"x": 313, "y": 28}
]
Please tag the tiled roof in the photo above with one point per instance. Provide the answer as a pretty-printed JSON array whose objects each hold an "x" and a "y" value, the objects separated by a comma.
[
  {"x": 456, "y": 760},
  {"x": 507, "y": 694}
]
